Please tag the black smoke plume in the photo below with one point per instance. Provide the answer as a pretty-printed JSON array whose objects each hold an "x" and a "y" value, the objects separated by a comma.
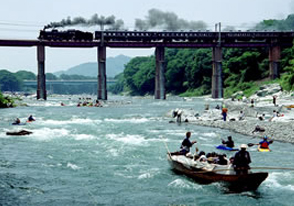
[
  {"x": 101, "y": 21},
  {"x": 157, "y": 19}
]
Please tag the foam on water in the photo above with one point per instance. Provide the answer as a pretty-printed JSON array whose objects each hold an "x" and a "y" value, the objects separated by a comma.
[
  {"x": 44, "y": 134},
  {"x": 71, "y": 121},
  {"x": 127, "y": 138},
  {"x": 180, "y": 183},
  {"x": 131, "y": 120},
  {"x": 83, "y": 136},
  {"x": 273, "y": 181},
  {"x": 149, "y": 173},
  {"x": 210, "y": 134},
  {"x": 72, "y": 166}
]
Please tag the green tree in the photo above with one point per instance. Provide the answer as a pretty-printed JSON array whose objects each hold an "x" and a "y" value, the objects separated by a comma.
[{"x": 9, "y": 82}]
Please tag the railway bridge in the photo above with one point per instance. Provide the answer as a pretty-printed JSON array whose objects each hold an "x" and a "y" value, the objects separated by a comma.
[{"x": 274, "y": 41}]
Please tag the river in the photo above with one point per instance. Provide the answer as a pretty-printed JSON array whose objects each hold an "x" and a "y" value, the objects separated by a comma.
[{"x": 115, "y": 155}]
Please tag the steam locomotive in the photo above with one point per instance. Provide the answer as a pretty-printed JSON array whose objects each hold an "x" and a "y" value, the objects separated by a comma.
[{"x": 69, "y": 35}]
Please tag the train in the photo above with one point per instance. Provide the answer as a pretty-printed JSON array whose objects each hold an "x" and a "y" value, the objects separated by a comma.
[
  {"x": 156, "y": 36},
  {"x": 109, "y": 35}
]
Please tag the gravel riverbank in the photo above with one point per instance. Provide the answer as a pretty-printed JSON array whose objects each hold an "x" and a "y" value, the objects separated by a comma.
[{"x": 279, "y": 128}]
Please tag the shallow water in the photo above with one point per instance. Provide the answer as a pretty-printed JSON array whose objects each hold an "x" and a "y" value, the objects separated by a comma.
[{"x": 116, "y": 155}]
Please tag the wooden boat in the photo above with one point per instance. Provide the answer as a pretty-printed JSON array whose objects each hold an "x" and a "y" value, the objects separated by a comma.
[{"x": 236, "y": 183}]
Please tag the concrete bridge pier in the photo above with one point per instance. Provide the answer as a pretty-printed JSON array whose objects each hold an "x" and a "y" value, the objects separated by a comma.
[
  {"x": 159, "y": 74},
  {"x": 102, "y": 91},
  {"x": 274, "y": 61},
  {"x": 217, "y": 73},
  {"x": 41, "y": 90}
]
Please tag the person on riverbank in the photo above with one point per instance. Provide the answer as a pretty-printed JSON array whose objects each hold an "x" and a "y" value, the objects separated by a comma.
[
  {"x": 275, "y": 100},
  {"x": 241, "y": 116},
  {"x": 242, "y": 160},
  {"x": 264, "y": 144},
  {"x": 186, "y": 145},
  {"x": 229, "y": 143},
  {"x": 274, "y": 115},
  {"x": 224, "y": 113}
]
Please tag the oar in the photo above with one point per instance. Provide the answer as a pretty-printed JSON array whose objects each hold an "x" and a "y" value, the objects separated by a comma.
[
  {"x": 273, "y": 168},
  {"x": 166, "y": 147},
  {"x": 251, "y": 144}
]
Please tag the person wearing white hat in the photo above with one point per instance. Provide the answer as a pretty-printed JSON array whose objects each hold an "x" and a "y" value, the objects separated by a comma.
[{"x": 242, "y": 160}]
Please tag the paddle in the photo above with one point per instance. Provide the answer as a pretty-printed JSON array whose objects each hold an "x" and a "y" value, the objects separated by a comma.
[{"x": 251, "y": 144}]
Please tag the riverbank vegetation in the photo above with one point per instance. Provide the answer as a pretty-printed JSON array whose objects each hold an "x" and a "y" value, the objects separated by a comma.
[{"x": 6, "y": 101}]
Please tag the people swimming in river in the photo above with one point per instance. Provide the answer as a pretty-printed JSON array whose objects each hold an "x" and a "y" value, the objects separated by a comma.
[
  {"x": 242, "y": 160},
  {"x": 186, "y": 145},
  {"x": 258, "y": 129},
  {"x": 229, "y": 142},
  {"x": 31, "y": 118},
  {"x": 264, "y": 144},
  {"x": 16, "y": 121},
  {"x": 62, "y": 104}
]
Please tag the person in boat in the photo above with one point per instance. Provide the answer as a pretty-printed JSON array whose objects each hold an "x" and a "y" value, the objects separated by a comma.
[
  {"x": 242, "y": 160},
  {"x": 186, "y": 144},
  {"x": 17, "y": 121},
  {"x": 229, "y": 143},
  {"x": 222, "y": 160},
  {"x": 264, "y": 144},
  {"x": 201, "y": 157},
  {"x": 31, "y": 118}
]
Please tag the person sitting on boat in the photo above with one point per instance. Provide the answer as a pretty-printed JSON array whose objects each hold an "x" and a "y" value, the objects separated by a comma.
[
  {"x": 264, "y": 144},
  {"x": 31, "y": 118},
  {"x": 242, "y": 160},
  {"x": 186, "y": 144},
  {"x": 17, "y": 121},
  {"x": 222, "y": 160},
  {"x": 229, "y": 143},
  {"x": 202, "y": 157}
]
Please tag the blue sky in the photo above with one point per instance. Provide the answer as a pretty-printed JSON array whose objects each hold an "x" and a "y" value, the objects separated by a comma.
[{"x": 21, "y": 19}]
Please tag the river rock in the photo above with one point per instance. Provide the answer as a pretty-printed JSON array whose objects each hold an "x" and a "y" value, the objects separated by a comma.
[{"x": 269, "y": 89}]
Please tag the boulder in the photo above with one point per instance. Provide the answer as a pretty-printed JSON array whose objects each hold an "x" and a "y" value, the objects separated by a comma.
[{"x": 269, "y": 89}]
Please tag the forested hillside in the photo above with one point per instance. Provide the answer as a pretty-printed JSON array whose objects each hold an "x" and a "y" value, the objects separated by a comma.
[{"x": 188, "y": 71}]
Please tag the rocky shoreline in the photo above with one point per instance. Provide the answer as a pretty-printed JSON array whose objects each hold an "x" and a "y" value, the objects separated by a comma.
[{"x": 279, "y": 128}]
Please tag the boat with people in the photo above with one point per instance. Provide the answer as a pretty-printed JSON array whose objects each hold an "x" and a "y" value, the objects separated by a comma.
[{"x": 205, "y": 173}]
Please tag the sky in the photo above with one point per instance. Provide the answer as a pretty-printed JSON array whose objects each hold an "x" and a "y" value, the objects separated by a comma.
[{"x": 21, "y": 19}]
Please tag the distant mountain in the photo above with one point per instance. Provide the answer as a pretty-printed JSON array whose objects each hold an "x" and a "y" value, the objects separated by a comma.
[{"x": 114, "y": 66}]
